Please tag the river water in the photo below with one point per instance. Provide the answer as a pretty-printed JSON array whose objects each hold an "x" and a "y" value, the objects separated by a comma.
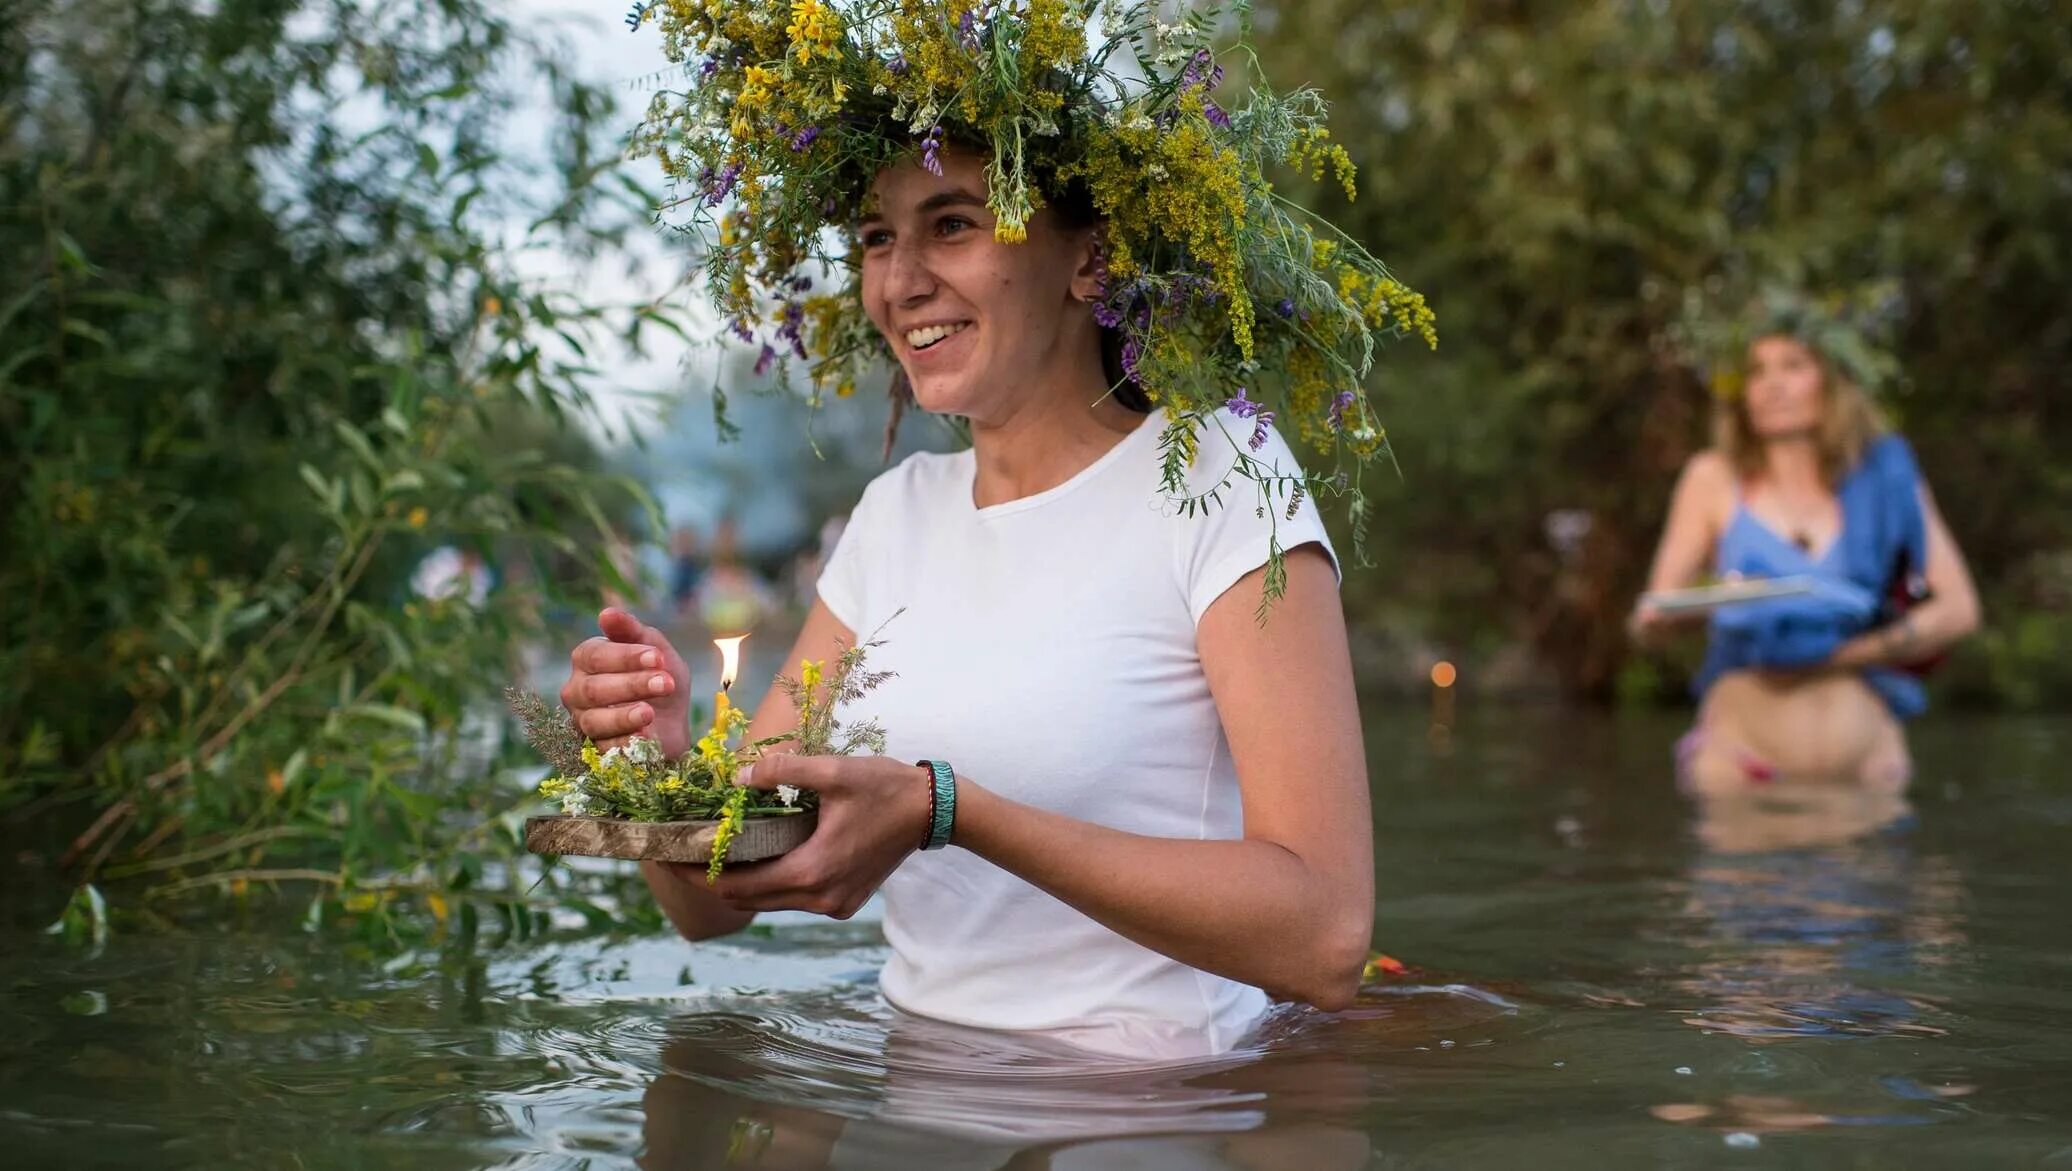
[{"x": 1599, "y": 975}]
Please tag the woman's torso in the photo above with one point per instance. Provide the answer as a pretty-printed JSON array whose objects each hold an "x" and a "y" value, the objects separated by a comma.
[
  {"x": 1819, "y": 725},
  {"x": 1045, "y": 648},
  {"x": 1803, "y": 721}
]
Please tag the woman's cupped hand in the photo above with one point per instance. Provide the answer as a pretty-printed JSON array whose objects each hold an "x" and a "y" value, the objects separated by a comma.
[
  {"x": 874, "y": 811},
  {"x": 629, "y": 681}
]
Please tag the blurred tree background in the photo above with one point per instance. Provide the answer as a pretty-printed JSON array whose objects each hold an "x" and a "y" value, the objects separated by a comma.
[
  {"x": 273, "y": 329},
  {"x": 1554, "y": 175},
  {"x": 268, "y": 339}
]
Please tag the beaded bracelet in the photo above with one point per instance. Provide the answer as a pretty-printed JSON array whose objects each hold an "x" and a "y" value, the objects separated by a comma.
[{"x": 942, "y": 803}]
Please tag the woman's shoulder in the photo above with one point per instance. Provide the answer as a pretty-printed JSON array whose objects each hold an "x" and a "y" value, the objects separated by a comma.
[
  {"x": 1889, "y": 448},
  {"x": 1709, "y": 465},
  {"x": 1710, "y": 472},
  {"x": 921, "y": 475},
  {"x": 1223, "y": 447},
  {"x": 1887, "y": 460}
]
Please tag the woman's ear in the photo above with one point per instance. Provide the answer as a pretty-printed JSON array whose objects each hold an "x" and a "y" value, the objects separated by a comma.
[{"x": 1091, "y": 273}]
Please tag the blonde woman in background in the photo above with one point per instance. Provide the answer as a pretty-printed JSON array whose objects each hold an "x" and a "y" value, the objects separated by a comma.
[{"x": 1805, "y": 478}]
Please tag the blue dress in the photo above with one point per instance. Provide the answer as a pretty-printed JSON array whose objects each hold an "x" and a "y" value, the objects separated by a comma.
[{"x": 1883, "y": 537}]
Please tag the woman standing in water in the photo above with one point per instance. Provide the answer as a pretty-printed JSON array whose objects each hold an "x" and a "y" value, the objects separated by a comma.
[
  {"x": 1120, "y": 655},
  {"x": 1804, "y": 478}
]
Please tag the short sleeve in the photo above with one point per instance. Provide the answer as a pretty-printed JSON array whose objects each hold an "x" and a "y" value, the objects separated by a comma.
[
  {"x": 844, "y": 585},
  {"x": 1230, "y": 540}
]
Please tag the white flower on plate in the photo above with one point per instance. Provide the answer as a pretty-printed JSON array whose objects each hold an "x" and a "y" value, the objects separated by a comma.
[
  {"x": 575, "y": 803},
  {"x": 788, "y": 795},
  {"x": 644, "y": 751}
]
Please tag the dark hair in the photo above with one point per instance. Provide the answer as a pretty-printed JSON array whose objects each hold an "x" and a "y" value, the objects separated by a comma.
[{"x": 1074, "y": 208}]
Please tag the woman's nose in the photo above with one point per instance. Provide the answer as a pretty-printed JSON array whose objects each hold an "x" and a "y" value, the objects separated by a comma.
[{"x": 907, "y": 278}]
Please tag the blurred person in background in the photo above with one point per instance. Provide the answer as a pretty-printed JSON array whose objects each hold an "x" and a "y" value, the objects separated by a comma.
[
  {"x": 1805, "y": 478},
  {"x": 686, "y": 569},
  {"x": 731, "y": 597}
]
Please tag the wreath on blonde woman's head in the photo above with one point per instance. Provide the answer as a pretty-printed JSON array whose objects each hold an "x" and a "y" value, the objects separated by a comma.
[{"x": 1850, "y": 329}]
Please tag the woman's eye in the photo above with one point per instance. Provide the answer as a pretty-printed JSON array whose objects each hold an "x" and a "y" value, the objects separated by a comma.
[
  {"x": 951, "y": 224},
  {"x": 875, "y": 237}
]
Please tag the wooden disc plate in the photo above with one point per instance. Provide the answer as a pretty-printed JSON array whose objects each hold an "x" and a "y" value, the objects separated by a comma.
[{"x": 665, "y": 841}]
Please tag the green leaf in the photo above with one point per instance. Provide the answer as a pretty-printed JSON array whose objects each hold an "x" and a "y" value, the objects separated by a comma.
[
  {"x": 90, "y": 332},
  {"x": 71, "y": 254},
  {"x": 354, "y": 439},
  {"x": 383, "y": 713},
  {"x": 85, "y": 917},
  {"x": 20, "y": 302},
  {"x": 315, "y": 480},
  {"x": 293, "y": 770}
]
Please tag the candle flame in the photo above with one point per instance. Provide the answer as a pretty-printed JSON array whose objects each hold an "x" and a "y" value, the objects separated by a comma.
[{"x": 729, "y": 659}]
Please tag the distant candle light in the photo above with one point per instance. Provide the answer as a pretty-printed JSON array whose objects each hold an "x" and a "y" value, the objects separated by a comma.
[{"x": 1443, "y": 674}]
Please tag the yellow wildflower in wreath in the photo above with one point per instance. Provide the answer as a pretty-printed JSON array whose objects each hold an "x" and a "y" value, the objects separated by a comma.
[
  {"x": 813, "y": 28},
  {"x": 1226, "y": 296}
]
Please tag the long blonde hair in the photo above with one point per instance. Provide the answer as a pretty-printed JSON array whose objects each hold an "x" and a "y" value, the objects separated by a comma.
[{"x": 1849, "y": 421}]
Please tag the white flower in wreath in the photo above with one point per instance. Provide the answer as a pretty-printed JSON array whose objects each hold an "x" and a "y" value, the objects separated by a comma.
[{"x": 788, "y": 795}]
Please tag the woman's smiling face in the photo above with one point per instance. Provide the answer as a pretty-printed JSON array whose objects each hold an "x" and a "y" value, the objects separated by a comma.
[{"x": 969, "y": 318}]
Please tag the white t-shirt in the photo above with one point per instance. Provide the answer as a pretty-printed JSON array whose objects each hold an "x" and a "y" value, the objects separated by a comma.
[{"x": 1047, "y": 652}]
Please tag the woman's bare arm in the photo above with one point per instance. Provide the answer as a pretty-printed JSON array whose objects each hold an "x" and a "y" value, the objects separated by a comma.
[
  {"x": 1688, "y": 536},
  {"x": 1290, "y": 907},
  {"x": 1950, "y": 613}
]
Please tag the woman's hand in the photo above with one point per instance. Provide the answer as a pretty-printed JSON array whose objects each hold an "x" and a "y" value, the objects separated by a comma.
[
  {"x": 873, "y": 813},
  {"x": 629, "y": 682},
  {"x": 1647, "y": 623}
]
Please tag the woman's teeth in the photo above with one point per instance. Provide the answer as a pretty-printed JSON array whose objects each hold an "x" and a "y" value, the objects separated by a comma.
[{"x": 921, "y": 339}]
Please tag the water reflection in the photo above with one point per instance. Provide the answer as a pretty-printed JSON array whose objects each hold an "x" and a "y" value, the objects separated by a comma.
[
  {"x": 1813, "y": 905},
  {"x": 883, "y": 1089},
  {"x": 1815, "y": 908}
]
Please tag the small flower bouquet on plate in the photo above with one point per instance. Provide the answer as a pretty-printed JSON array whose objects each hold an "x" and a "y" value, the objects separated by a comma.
[{"x": 633, "y": 802}]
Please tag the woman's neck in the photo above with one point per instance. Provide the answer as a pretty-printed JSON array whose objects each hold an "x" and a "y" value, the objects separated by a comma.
[
  {"x": 1055, "y": 431},
  {"x": 1793, "y": 465}
]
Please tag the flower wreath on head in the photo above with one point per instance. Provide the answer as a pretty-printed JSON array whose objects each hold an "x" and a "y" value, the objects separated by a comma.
[
  {"x": 1850, "y": 330},
  {"x": 1234, "y": 306}
]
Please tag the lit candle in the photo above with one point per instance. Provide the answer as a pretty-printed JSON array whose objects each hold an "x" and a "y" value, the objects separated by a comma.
[{"x": 729, "y": 666}]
